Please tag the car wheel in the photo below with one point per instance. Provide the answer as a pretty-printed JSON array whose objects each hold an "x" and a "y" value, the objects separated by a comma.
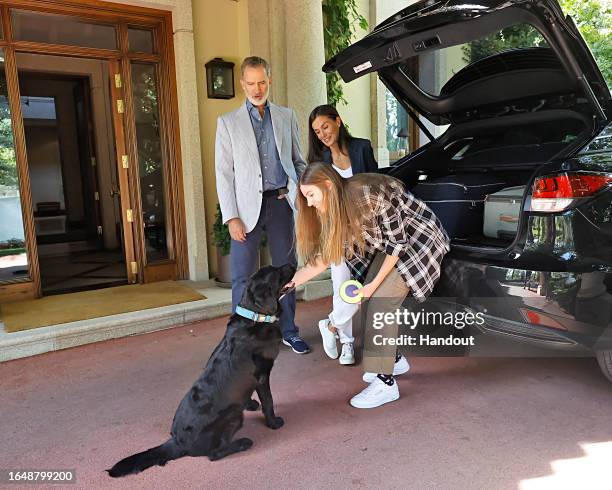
[{"x": 605, "y": 362}]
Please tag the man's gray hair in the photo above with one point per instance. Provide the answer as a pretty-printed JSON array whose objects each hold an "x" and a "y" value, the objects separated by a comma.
[{"x": 254, "y": 62}]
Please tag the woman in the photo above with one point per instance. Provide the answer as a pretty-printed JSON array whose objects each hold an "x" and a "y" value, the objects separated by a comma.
[
  {"x": 330, "y": 142},
  {"x": 391, "y": 242}
]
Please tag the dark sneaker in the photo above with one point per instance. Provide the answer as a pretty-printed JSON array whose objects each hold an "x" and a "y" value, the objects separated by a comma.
[{"x": 297, "y": 344}]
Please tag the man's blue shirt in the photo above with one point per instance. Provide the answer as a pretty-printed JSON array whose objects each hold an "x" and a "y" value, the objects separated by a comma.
[{"x": 272, "y": 172}]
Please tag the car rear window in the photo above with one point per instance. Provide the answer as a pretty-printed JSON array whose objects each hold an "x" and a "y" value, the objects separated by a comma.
[{"x": 435, "y": 68}]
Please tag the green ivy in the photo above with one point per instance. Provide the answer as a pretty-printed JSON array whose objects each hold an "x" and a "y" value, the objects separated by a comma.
[{"x": 340, "y": 18}]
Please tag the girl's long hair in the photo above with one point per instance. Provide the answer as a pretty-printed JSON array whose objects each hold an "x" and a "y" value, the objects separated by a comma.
[
  {"x": 315, "y": 145},
  {"x": 337, "y": 232}
]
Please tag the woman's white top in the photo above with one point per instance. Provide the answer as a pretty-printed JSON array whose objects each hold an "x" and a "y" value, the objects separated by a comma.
[{"x": 344, "y": 173}]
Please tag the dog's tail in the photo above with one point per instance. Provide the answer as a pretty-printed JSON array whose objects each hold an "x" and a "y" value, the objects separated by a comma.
[{"x": 136, "y": 463}]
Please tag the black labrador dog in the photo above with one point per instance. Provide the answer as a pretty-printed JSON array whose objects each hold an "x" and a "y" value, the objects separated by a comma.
[{"x": 211, "y": 412}]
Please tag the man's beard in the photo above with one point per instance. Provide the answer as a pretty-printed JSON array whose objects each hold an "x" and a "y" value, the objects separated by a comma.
[{"x": 256, "y": 102}]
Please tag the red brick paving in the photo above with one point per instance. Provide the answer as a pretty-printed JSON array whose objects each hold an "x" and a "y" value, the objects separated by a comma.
[{"x": 460, "y": 423}]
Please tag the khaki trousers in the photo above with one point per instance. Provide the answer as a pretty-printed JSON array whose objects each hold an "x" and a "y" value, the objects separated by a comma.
[{"x": 387, "y": 298}]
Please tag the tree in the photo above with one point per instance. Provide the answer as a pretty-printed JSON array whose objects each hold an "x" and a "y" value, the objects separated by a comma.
[
  {"x": 516, "y": 36},
  {"x": 594, "y": 21},
  {"x": 592, "y": 17}
]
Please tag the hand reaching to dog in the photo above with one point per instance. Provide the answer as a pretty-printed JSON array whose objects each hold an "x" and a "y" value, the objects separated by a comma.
[
  {"x": 306, "y": 273},
  {"x": 287, "y": 288},
  {"x": 237, "y": 229}
]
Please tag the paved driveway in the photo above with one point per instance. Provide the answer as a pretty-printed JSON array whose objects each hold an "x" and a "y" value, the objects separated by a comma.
[{"x": 460, "y": 423}]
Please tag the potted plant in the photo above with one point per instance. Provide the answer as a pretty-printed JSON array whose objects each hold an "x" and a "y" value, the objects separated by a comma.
[{"x": 222, "y": 240}]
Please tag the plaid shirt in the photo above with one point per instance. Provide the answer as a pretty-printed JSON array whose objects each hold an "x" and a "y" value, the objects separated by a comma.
[{"x": 404, "y": 227}]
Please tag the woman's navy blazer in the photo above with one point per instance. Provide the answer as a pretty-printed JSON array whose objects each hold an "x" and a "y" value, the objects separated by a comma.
[{"x": 361, "y": 155}]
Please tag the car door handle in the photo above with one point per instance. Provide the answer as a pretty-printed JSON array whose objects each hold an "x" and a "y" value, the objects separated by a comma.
[{"x": 514, "y": 255}]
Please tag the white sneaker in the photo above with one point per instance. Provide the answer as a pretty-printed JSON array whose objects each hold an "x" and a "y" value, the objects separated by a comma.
[
  {"x": 377, "y": 393},
  {"x": 329, "y": 339},
  {"x": 399, "y": 368},
  {"x": 347, "y": 356}
]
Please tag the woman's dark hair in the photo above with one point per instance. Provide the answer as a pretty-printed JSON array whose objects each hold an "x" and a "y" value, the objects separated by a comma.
[{"x": 315, "y": 146}]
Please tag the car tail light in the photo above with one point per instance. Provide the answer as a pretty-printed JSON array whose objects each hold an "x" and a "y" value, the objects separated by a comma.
[
  {"x": 553, "y": 193},
  {"x": 539, "y": 318}
]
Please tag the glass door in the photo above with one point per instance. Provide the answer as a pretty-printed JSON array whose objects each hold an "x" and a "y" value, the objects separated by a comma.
[
  {"x": 137, "y": 206},
  {"x": 70, "y": 146}
]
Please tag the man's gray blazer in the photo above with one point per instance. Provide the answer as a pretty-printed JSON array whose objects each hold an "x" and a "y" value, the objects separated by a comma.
[{"x": 238, "y": 170}]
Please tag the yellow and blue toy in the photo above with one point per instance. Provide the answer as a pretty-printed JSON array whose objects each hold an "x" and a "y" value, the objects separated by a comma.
[{"x": 348, "y": 291}]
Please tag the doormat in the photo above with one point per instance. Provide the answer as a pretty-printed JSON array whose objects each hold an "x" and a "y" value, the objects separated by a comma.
[{"x": 65, "y": 308}]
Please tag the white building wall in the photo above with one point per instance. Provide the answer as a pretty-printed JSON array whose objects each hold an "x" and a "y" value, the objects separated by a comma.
[{"x": 357, "y": 112}]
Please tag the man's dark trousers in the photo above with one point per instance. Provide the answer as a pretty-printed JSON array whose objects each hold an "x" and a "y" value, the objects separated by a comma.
[{"x": 276, "y": 217}]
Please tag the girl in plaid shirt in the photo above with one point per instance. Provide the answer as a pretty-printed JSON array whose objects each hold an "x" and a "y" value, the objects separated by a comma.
[{"x": 392, "y": 243}]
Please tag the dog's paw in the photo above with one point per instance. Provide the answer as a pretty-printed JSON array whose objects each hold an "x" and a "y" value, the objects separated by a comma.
[
  {"x": 275, "y": 423},
  {"x": 251, "y": 405},
  {"x": 243, "y": 444}
]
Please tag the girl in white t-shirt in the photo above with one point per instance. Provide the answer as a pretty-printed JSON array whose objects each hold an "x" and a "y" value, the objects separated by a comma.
[{"x": 330, "y": 142}]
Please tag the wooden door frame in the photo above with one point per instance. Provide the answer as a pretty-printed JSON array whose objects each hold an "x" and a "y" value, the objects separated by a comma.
[
  {"x": 121, "y": 16},
  {"x": 123, "y": 172},
  {"x": 20, "y": 289}
]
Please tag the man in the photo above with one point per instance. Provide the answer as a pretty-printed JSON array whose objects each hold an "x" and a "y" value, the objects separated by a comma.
[{"x": 258, "y": 163}]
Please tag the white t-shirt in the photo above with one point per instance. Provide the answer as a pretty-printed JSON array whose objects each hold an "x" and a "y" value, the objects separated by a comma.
[{"x": 344, "y": 173}]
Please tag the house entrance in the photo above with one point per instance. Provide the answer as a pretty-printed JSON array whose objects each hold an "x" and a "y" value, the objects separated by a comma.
[
  {"x": 90, "y": 170},
  {"x": 73, "y": 172}
]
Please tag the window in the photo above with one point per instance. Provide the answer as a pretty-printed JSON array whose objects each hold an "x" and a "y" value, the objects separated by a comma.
[
  {"x": 62, "y": 29},
  {"x": 397, "y": 128},
  {"x": 150, "y": 159},
  {"x": 140, "y": 40},
  {"x": 437, "y": 67}
]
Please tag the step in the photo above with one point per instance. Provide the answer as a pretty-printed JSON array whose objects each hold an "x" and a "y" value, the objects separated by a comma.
[{"x": 218, "y": 303}]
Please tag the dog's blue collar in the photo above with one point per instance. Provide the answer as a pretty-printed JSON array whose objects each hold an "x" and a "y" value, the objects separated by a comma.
[{"x": 256, "y": 317}]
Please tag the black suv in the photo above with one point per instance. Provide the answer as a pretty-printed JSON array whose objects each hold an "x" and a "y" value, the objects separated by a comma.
[{"x": 521, "y": 177}]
